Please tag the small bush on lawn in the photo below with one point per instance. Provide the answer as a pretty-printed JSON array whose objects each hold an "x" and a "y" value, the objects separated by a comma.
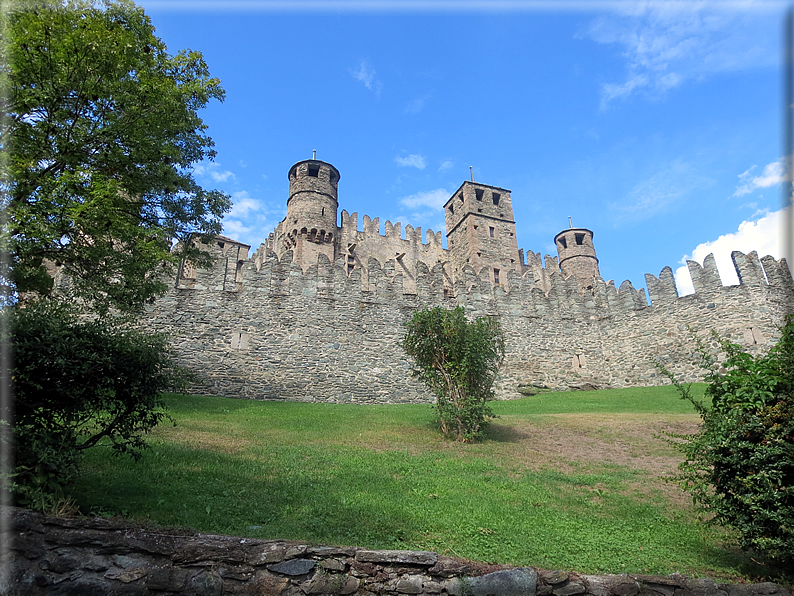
[
  {"x": 458, "y": 361},
  {"x": 740, "y": 466},
  {"x": 76, "y": 383}
]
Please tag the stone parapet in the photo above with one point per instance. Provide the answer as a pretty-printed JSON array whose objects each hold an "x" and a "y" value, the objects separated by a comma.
[{"x": 96, "y": 557}]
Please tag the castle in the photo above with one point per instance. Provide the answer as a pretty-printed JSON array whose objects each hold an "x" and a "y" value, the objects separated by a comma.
[
  {"x": 316, "y": 313},
  {"x": 481, "y": 233}
]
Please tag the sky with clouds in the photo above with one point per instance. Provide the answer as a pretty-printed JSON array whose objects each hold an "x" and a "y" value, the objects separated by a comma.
[{"x": 655, "y": 124}]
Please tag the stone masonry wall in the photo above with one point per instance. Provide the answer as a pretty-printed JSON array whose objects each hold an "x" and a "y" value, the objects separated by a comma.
[
  {"x": 100, "y": 557},
  {"x": 325, "y": 335}
]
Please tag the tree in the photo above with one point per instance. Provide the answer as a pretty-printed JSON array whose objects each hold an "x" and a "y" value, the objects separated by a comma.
[
  {"x": 739, "y": 466},
  {"x": 458, "y": 361},
  {"x": 102, "y": 132},
  {"x": 79, "y": 384}
]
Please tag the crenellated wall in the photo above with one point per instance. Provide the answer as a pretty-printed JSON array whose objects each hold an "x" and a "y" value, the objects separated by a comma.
[
  {"x": 358, "y": 247},
  {"x": 275, "y": 330}
]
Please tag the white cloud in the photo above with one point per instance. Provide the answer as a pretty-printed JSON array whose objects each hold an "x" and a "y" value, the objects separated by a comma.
[
  {"x": 251, "y": 220},
  {"x": 236, "y": 230},
  {"x": 210, "y": 169},
  {"x": 610, "y": 91},
  {"x": 415, "y": 161},
  {"x": 773, "y": 174},
  {"x": 447, "y": 165},
  {"x": 669, "y": 185},
  {"x": 242, "y": 203},
  {"x": 763, "y": 236},
  {"x": 366, "y": 74},
  {"x": 667, "y": 43},
  {"x": 434, "y": 199}
]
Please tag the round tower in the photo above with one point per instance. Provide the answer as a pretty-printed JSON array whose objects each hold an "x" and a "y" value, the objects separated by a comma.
[
  {"x": 578, "y": 256},
  {"x": 310, "y": 226}
]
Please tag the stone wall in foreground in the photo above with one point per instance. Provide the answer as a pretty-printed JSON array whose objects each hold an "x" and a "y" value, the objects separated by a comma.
[
  {"x": 100, "y": 557},
  {"x": 264, "y": 328}
]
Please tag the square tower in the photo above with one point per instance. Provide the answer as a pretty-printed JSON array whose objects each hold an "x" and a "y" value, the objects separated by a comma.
[{"x": 481, "y": 231}]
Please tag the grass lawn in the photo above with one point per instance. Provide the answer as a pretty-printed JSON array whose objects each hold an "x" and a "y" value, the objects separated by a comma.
[{"x": 562, "y": 481}]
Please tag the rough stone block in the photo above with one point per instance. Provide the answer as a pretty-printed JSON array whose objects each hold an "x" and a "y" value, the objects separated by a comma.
[
  {"x": 554, "y": 577},
  {"x": 761, "y": 589},
  {"x": 572, "y": 588},
  {"x": 411, "y": 557},
  {"x": 333, "y": 565},
  {"x": 206, "y": 583},
  {"x": 167, "y": 579},
  {"x": 293, "y": 567},
  {"x": 410, "y": 585},
  {"x": 509, "y": 582},
  {"x": 447, "y": 567}
]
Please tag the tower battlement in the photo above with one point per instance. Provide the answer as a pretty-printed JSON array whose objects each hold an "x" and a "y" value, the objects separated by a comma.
[{"x": 480, "y": 232}]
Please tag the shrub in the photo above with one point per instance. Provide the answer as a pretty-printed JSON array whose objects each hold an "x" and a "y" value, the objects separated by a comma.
[
  {"x": 458, "y": 361},
  {"x": 78, "y": 384},
  {"x": 740, "y": 465}
]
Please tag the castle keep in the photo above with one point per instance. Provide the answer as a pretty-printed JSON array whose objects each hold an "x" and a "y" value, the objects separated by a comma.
[{"x": 316, "y": 313}]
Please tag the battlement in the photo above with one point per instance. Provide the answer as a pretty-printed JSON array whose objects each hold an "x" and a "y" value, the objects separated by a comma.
[
  {"x": 371, "y": 231},
  {"x": 536, "y": 290}
]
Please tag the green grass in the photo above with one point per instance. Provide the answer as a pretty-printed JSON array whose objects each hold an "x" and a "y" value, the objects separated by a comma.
[{"x": 566, "y": 480}]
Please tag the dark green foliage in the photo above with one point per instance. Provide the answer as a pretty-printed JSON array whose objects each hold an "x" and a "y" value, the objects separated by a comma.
[
  {"x": 78, "y": 384},
  {"x": 740, "y": 466},
  {"x": 458, "y": 361},
  {"x": 101, "y": 129}
]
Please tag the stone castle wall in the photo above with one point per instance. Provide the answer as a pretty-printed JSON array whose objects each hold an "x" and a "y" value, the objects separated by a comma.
[{"x": 265, "y": 328}]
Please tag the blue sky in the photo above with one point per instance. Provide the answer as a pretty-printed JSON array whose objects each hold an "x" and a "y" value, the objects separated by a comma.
[{"x": 657, "y": 124}]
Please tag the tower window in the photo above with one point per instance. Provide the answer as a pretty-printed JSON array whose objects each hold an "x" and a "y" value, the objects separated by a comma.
[
  {"x": 492, "y": 232},
  {"x": 478, "y": 192},
  {"x": 451, "y": 208},
  {"x": 496, "y": 197},
  {"x": 563, "y": 243},
  {"x": 496, "y": 276},
  {"x": 580, "y": 239},
  {"x": 314, "y": 171},
  {"x": 322, "y": 211}
]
